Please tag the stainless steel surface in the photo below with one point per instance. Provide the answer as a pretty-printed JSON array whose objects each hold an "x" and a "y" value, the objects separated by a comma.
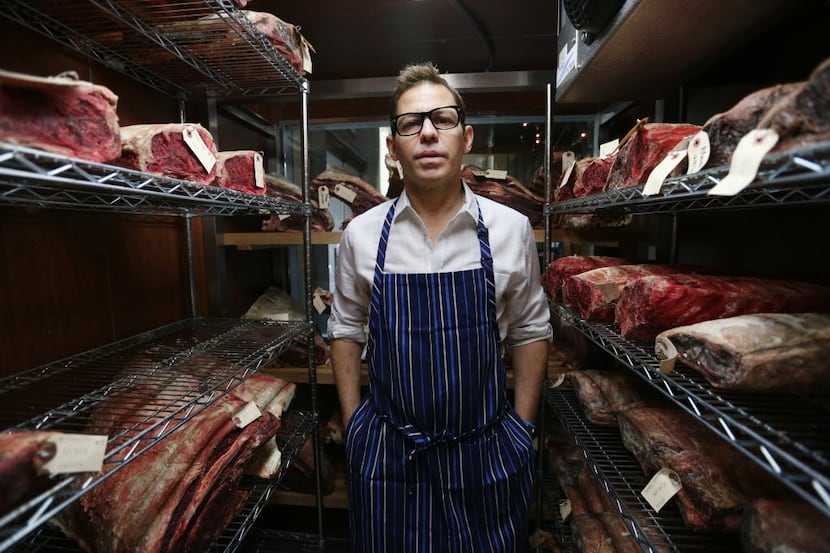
[
  {"x": 782, "y": 433},
  {"x": 34, "y": 177},
  {"x": 797, "y": 177},
  {"x": 184, "y": 367},
  {"x": 650, "y": 46},
  {"x": 622, "y": 478}
]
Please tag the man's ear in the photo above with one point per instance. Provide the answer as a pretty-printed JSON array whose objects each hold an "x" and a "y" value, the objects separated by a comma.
[
  {"x": 469, "y": 135},
  {"x": 390, "y": 145}
]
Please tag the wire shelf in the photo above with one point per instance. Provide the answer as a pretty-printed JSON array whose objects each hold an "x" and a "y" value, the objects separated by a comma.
[
  {"x": 622, "y": 478},
  {"x": 277, "y": 541},
  {"x": 32, "y": 177},
  {"x": 785, "y": 434},
  {"x": 797, "y": 177},
  {"x": 173, "y": 47},
  {"x": 297, "y": 425},
  {"x": 183, "y": 367}
]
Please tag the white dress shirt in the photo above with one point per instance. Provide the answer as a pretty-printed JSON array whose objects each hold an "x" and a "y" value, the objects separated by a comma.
[{"x": 521, "y": 305}]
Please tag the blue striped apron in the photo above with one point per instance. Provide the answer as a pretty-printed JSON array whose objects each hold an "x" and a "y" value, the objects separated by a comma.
[{"x": 438, "y": 460}]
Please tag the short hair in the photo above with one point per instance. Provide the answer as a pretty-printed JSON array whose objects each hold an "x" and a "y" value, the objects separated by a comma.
[{"x": 419, "y": 73}]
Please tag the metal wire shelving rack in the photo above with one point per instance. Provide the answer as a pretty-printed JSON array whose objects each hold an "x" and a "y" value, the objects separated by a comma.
[
  {"x": 785, "y": 435},
  {"x": 178, "y": 49},
  {"x": 795, "y": 177},
  {"x": 622, "y": 478}
]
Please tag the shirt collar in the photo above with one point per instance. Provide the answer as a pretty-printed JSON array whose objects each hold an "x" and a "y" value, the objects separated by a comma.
[{"x": 469, "y": 206}]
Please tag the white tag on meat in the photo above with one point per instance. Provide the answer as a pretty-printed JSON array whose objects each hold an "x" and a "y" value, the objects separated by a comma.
[
  {"x": 667, "y": 353},
  {"x": 568, "y": 162},
  {"x": 259, "y": 171},
  {"x": 746, "y": 159},
  {"x": 323, "y": 197},
  {"x": 318, "y": 303},
  {"x": 194, "y": 141},
  {"x": 495, "y": 174},
  {"x": 565, "y": 509},
  {"x": 609, "y": 148},
  {"x": 661, "y": 488},
  {"x": 247, "y": 415},
  {"x": 77, "y": 453},
  {"x": 344, "y": 193},
  {"x": 655, "y": 179},
  {"x": 699, "y": 150}
]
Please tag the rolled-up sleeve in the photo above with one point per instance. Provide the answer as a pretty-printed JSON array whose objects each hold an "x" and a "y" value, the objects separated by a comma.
[
  {"x": 350, "y": 308},
  {"x": 526, "y": 306}
]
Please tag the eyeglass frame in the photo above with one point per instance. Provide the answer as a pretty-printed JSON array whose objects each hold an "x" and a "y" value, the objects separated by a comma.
[{"x": 424, "y": 114}]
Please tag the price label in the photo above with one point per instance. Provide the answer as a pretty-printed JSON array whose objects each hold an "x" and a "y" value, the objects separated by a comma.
[
  {"x": 663, "y": 169},
  {"x": 495, "y": 174},
  {"x": 568, "y": 162},
  {"x": 247, "y": 415},
  {"x": 667, "y": 353},
  {"x": 318, "y": 303},
  {"x": 698, "y": 151},
  {"x": 746, "y": 159},
  {"x": 565, "y": 509},
  {"x": 344, "y": 193},
  {"x": 198, "y": 147},
  {"x": 609, "y": 148},
  {"x": 323, "y": 197},
  {"x": 77, "y": 453},
  {"x": 662, "y": 487},
  {"x": 259, "y": 171}
]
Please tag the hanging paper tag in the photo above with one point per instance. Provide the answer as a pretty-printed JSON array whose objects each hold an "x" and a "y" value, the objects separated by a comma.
[
  {"x": 194, "y": 141},
  {"x": 283, "y": 216},
  {"x": 609, "y": 148},
  {"x": 344, "y": 193},
  {"x": 495, "y": 174},
  {"x": 565, "y": 509},
  {"x": 268, "y": 457},
  {"x": 323, "y": 197},
  {"x": 247, "y": 415},
  {"x": 665, "y": 350},
  {"x": 662, "y": 487},
  {"x": 698, "y": 151},
  {"x": 746, "y": 159},
  {"x": 568, "y": 162},
  {"x": 558, "y": 382},
  {"x": 659, "y": 174},
  {"x": 77, "y": 453},
  {"x": 306, "y": 48},
  {"x": 318, "y": 303},
  {"x": 259, "y": 171}
]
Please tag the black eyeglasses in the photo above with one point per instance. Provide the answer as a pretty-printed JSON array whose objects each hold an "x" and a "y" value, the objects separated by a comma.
[{"x": 443, "y": 119}]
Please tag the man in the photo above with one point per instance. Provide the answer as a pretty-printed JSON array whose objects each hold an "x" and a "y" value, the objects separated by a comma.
[{"x": 438, "y": 459}]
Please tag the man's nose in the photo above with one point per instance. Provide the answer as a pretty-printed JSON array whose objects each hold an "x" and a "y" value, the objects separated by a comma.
[{"x": 428, "y": 129}]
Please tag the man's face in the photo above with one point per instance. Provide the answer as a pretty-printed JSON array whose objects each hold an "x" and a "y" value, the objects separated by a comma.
[{"x": 431, "y": 156}]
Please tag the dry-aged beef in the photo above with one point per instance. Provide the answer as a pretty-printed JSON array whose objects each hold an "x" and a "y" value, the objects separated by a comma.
[
  {"x": 321, "y": 219},
  {"x": 161, "y": 149},
  {"x": 349, "y": 188},
  {"x": 726, "y": 129},
  {"x": 717, "y": 483},
  {"x": 589, "y": 534},
  {"x": 165, "y": 500},
  {"x": 240, "y": 170},
  {"x": 651, "y": 304},
  {"x": 647, "y": 145},
  {"x": 560, "y": 270},
  {"x": 603, "y": 394},
  {"x": 536, "y": 185},
  {"x": 22, "y": 456},
  {"x": 761, "y": 352},
  {"x": 593, "y": 293},
  {"x": 509, "y": 192},
  {"x": 802, "y": 117},
  {"x": 59, "y": 114},
  {"x": 771, "y": 526},
  {"x": 590, "y": 174}
]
